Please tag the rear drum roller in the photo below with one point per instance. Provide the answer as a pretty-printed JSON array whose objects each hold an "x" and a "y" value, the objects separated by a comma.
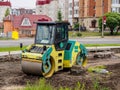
[{"x": 81, "y": 60}]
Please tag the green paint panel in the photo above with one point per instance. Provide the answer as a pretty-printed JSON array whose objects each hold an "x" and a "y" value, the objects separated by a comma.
[
  {"x": 83, "y": 49},
  {"x": 76, "y": 49},
  {"x": 68, "y": 53},
  {"x": 46, "y": 55}
]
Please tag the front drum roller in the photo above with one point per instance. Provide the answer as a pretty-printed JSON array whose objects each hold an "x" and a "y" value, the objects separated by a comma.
[{"x": 38, "y": 68}]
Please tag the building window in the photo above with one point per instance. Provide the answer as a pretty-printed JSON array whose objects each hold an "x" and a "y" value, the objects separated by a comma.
[
  {"x": 94, "y": 15},
  {"x": 94, "y": 7},
  {"x": 77, "y": 4},
  {"x": 26, "y": 22},
  {"x": 25, "y": 32},
  {"x": 75, "y": 11},
  {"x": 70, "y": 5},
  {"x": 71, "y": 12},
  {"x": 119, "y": 9},
  {"x": 114, "y": 9},
  {"x": 115, "y": 1}
]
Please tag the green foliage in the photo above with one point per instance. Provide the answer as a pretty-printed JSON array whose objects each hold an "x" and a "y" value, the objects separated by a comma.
[
  {"x": 7, "y": 12},
  {"x": 59, "y": 16},
  {"x": 96, "y": 86},
  {"x": 78, "y": 34},
  {"x": 79, "y": 86},
  {"x": 42, "y": 85},
  {"x": 76, "y": 26},
  {"x": 112, "y": 21}
]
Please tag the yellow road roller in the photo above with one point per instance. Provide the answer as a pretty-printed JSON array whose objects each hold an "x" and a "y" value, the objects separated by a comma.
[{"x": 52, "y": 51}]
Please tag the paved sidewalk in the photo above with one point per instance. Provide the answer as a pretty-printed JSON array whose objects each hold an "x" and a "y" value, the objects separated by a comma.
[
  {"x": 10, "y": 53},
  {"x": 106, "y": 47},
  {"x": 96, "y": 37}
]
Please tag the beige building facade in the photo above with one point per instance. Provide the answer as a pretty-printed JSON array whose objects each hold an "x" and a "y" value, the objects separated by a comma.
[{"x": 91, "y": 10}]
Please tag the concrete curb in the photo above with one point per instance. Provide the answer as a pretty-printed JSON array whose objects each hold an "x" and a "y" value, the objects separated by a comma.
[
  {"x": 88, "y": 48},
  {"x": 10, "y": 53}
]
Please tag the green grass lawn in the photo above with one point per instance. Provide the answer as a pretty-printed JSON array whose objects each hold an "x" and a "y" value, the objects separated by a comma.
[
  {"x": 15, "y": 48},
  {"x": 89, "y": 34},
  {"x": 5, "y": 38},
  {"x": 100, "y": 45}
]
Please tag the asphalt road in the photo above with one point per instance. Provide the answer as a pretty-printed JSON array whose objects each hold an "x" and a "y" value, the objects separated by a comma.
[
  {"x": 28, "y": 41},
  {"x": 98, "y": 40}
]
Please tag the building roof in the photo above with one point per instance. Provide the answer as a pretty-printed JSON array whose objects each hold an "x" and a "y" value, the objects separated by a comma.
[
  {"x": 42, "y": 2},
  {"x": 5, "y": 3},
  {"x": 17, "y": 20}
]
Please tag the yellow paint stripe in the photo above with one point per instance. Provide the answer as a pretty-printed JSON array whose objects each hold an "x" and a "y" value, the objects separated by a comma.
[{"x": 30, "y": 60}]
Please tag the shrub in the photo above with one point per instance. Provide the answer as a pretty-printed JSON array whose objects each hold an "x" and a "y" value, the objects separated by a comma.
[{"x": 78, "y": 34}]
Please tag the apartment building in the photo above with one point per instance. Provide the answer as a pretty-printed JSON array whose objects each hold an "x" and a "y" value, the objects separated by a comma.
[
  {"x": 73, "y": 11},
  {"x": 115, "y": 6},
  {"x": 51, "y": 8},
  {"x": 21, "y": 11},
  {"x": 91, "y": 10},
  {"x": 4, "y": 5},
  {"x": 63, "y": 7},
  {"x": 47, "y": 7}
]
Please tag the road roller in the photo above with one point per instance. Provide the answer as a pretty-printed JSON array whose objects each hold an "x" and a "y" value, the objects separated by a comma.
[{"x": 52, "y": 51}]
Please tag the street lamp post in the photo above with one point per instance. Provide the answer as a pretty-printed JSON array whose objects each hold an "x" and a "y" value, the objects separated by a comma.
[
  {"x": 72, "y": 11},
  {"x": 102, "y": 19}
]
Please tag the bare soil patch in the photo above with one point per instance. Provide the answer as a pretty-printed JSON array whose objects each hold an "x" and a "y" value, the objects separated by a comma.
[{"x": 12, "y": 77}]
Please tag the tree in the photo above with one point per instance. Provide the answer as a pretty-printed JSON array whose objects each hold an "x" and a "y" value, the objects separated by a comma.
[
  {"x": 112, "y": 21},
  {"x": 59, "y": 16},
  {"x": 7, "y": 12}
]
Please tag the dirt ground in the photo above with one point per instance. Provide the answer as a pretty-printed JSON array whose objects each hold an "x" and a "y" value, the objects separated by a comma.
[{"x": 12, "y": 78}]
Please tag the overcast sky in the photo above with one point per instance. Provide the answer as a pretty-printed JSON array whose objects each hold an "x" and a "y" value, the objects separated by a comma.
[{"x": 23, "y": 3}]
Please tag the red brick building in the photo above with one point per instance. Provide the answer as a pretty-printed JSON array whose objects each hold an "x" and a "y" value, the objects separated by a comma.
[{"x": 23, "y": 24}]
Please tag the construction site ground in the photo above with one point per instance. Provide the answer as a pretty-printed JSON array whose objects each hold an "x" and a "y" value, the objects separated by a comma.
[{"x": 12, "y": 77}]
